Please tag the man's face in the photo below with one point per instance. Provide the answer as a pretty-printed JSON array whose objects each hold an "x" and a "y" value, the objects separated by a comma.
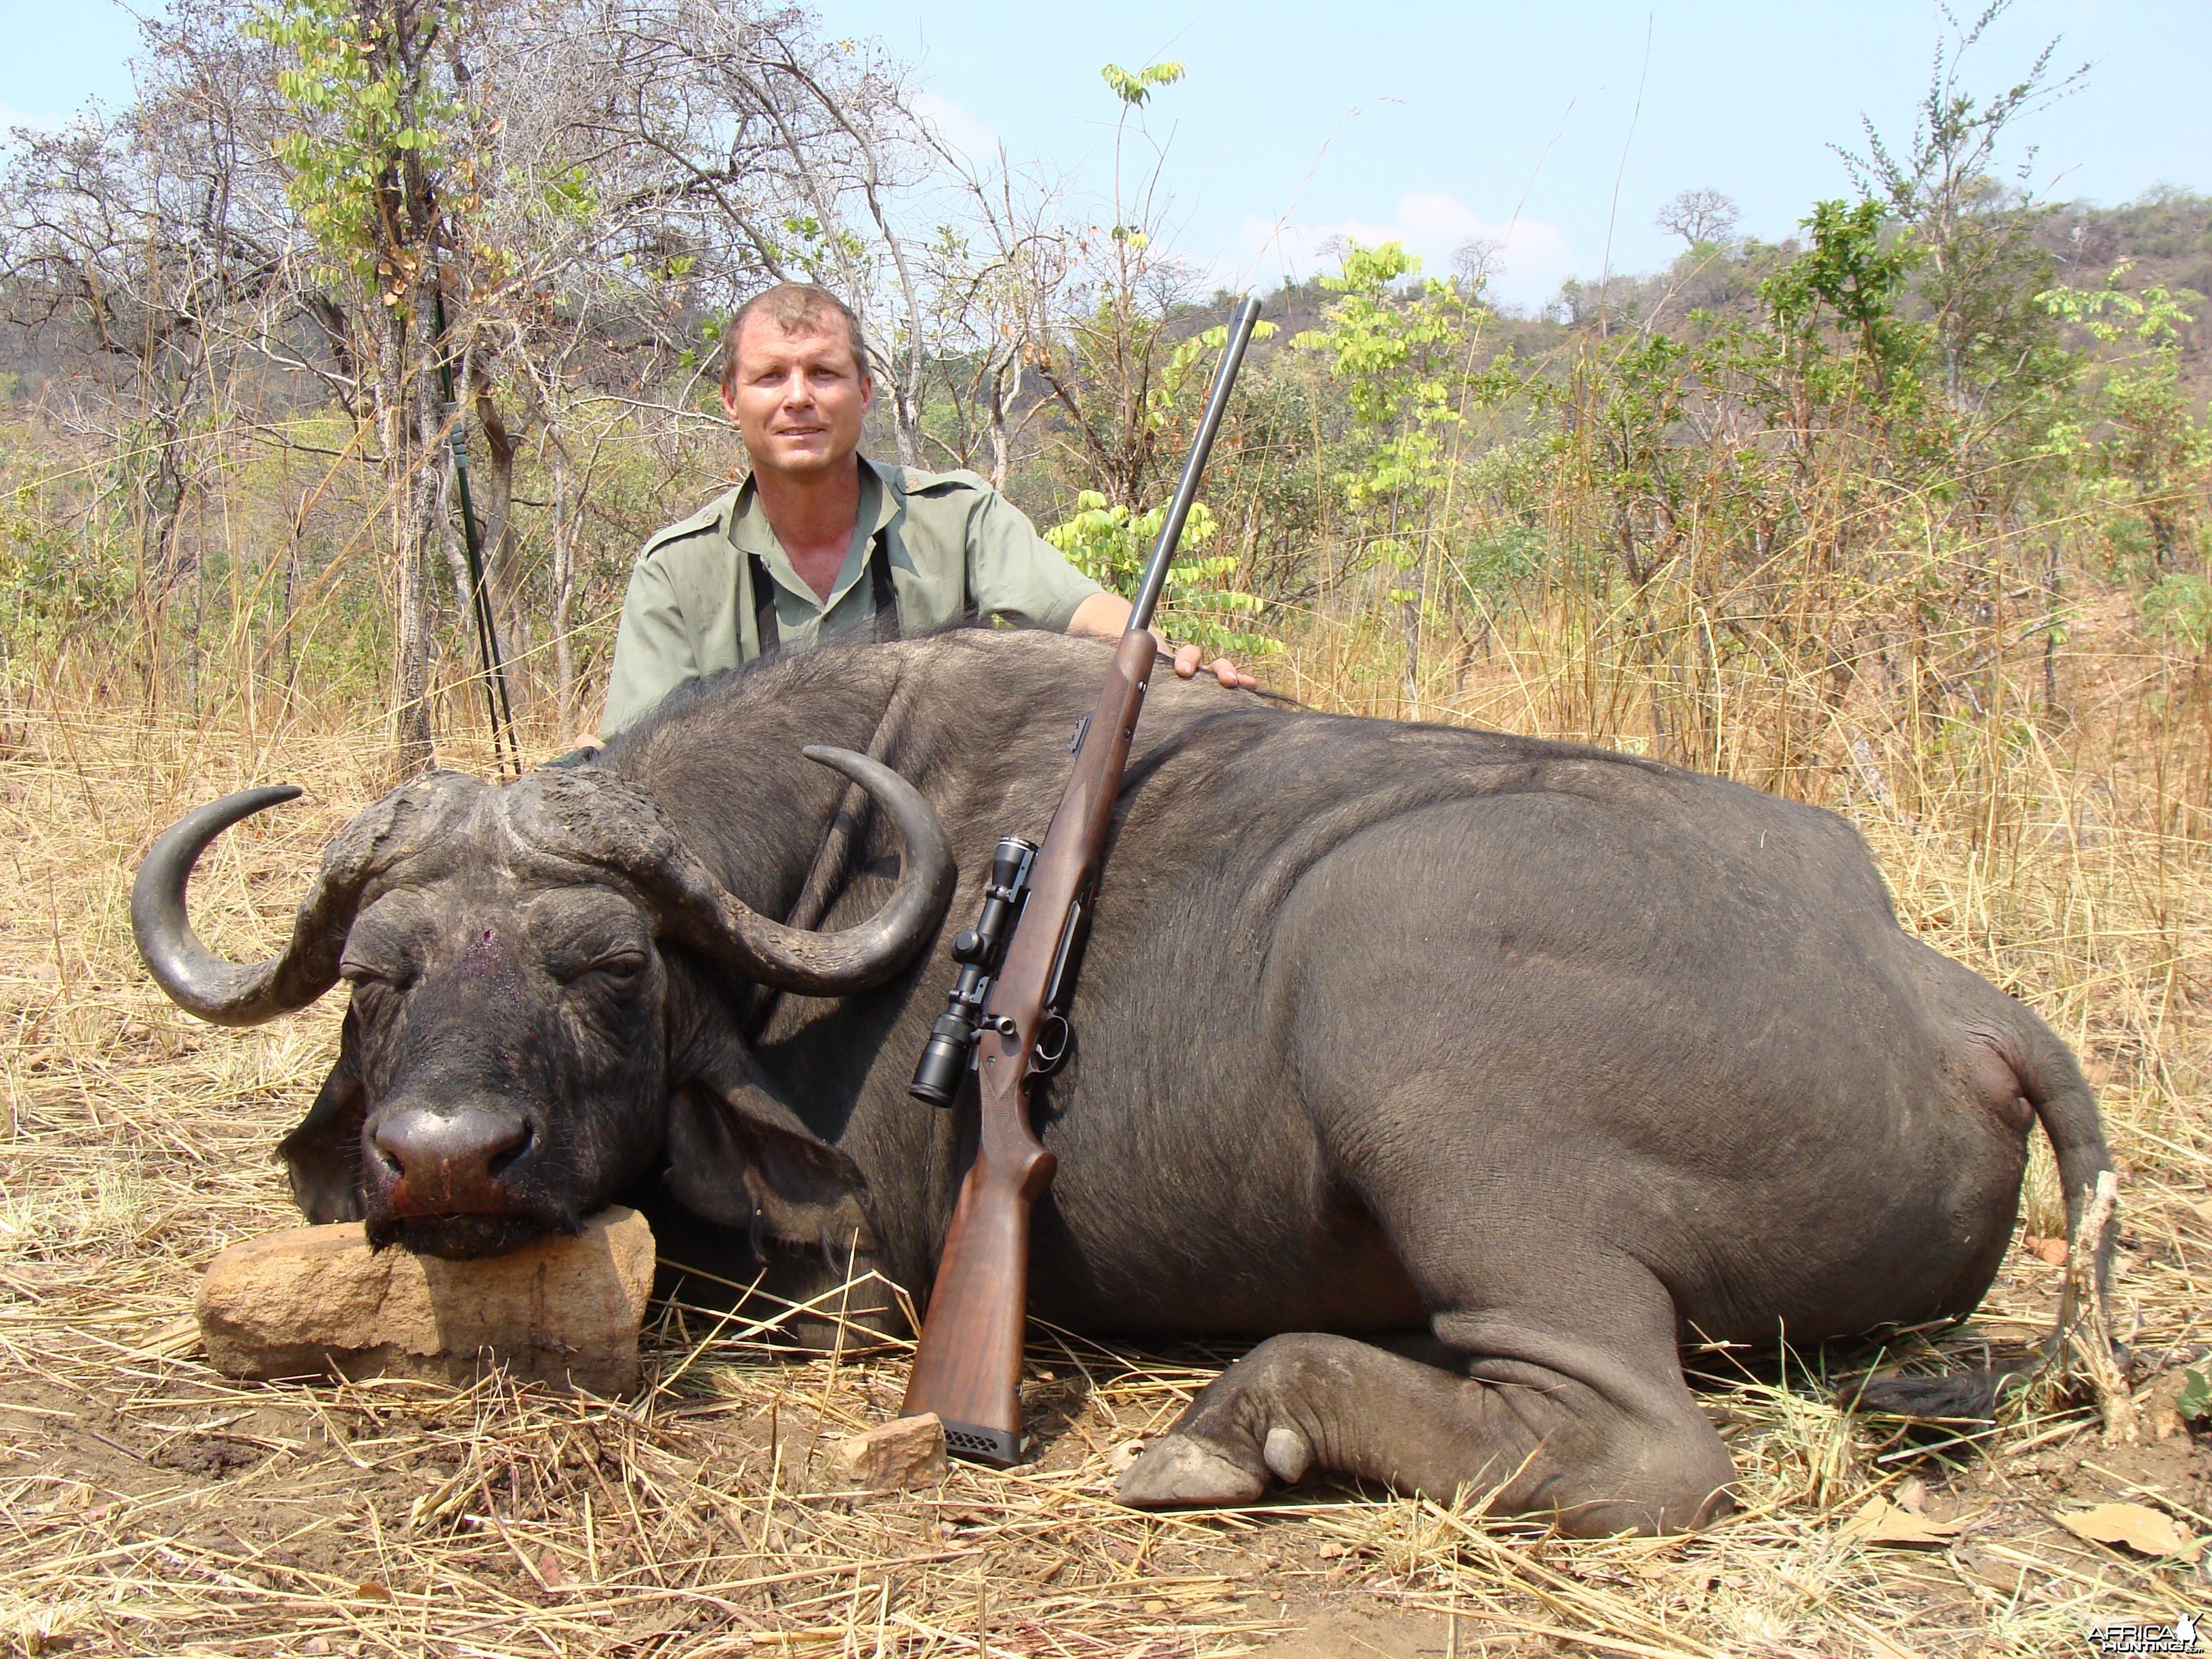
[{"x": 797, "y": 400}]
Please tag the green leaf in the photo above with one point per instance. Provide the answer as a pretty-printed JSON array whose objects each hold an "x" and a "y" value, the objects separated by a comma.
[
  {"x": 2180, "y": 608},
  {"x": 1133, "y": 90},
  {"x": 2195, "y": 1398}
]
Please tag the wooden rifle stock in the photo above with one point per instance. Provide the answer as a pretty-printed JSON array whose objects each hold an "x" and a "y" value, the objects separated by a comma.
[{"x": 968, "y": 1367}]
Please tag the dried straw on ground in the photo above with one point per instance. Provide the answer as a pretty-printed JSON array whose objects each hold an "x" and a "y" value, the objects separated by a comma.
[{"x": 148, "y": 1505}]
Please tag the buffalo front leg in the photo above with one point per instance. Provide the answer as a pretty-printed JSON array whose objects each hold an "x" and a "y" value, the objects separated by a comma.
[{"x": 1551, "y": 1427}]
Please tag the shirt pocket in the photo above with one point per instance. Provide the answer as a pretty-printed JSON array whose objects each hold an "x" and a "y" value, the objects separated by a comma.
[{"x": 932, "y": 591}]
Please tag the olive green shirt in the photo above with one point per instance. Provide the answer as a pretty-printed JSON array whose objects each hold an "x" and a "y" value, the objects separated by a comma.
[{"x": 951, "y": 538}]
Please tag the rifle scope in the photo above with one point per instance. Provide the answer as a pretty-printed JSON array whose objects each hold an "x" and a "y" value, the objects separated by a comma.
[{"x": 980, "y": 951}]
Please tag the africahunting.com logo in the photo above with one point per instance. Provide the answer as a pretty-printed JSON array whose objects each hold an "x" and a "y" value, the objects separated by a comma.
[{"x": 2136, "y": 1636}]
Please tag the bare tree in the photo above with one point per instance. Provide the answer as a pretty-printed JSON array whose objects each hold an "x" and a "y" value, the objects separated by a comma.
[
  {"x": 139, "y": 243},
  {"x": 1476, "y": 260},
  {"x": 993, "y": 279},
  {"x": 1700, "y": 215},
  {"x": 749, "y": 150}
]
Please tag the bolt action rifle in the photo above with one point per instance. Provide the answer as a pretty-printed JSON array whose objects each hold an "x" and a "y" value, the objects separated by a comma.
[{"x": 1008, "y": 1009}]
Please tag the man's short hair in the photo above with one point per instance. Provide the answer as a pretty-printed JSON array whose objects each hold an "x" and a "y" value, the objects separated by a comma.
[{"x": 795, "y": 308}]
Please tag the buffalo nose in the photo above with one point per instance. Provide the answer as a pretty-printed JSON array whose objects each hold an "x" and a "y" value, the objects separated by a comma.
[{"x": 448, "y": 1164}]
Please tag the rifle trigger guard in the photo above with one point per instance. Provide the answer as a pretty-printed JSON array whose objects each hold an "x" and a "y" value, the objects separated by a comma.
[{"x": 1052, "y": 1036}]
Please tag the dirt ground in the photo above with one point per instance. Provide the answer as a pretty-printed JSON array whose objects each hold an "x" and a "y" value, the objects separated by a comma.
[
  {"x": 153, "y": 1507},
  {"x": 148, "y": 1505}
]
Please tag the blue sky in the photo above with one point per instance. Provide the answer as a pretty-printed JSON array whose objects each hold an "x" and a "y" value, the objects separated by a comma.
[{"x": 1439, "y": 122}]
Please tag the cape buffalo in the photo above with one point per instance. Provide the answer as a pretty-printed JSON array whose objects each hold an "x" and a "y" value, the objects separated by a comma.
[{"x": 1559, "y": 1056}]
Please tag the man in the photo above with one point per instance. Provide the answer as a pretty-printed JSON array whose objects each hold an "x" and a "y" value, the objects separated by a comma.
[{"x": 822, "y": 543}]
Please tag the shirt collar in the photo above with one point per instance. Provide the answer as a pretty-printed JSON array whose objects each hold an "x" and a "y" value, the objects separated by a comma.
[
  {"x": 882, "y": 503},
  {"x": 891, "y": 500},
  {"x": 748, "y": 526}
]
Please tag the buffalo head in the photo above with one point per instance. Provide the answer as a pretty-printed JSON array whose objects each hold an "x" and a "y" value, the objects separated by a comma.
[{"x": 523, "y": 1044}]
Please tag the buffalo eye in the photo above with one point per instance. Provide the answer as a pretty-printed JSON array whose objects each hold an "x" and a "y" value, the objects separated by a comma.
[
  {"x": 366, "y": 979},
  {"x": 618, "y": 969}
]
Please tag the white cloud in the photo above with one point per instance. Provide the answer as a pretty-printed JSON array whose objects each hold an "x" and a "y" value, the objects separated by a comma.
[
  {"x": 11, "y": 117},
  {"x": 1533, "y": 257},
  {"x": 962, "y": 132}
]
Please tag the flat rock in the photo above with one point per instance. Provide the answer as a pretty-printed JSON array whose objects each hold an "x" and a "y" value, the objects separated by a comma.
[
  {"x": 312, "y": 1301},
  {"x": 907, "y": 1451}
]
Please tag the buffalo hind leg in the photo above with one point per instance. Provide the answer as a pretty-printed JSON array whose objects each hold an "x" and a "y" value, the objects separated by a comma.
[{"x": 1584, "y": 1437}]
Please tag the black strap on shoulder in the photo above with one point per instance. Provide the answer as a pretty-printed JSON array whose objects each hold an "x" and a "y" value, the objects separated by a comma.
[
  {"x": 764, "y": 606},
  {"x": 880, "y": 581},
  {"x": 880, "y": 585}
]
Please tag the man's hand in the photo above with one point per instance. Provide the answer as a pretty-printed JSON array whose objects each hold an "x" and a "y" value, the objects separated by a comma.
[
  {"x": 1186, "y": 660},
  {"x": 1106, "y": 617}
]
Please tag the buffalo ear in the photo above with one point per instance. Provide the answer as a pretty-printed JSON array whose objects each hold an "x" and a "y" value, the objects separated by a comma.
[
  {"x": 749, "y": 1163},
  {"x": 323, "y": 1155}
]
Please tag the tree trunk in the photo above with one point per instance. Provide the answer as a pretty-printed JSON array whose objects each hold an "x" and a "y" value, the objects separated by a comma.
[
  {"x": 457, "y": 561},
  {"x": 565, "y": 518},
  {"x": 1004, "y": 382},
  {"x": 494, "y": 505},
  {"x": 411, "y": 491},
  {"x": 165, "y": 490},
  {"x": 1412, "y": 616}
]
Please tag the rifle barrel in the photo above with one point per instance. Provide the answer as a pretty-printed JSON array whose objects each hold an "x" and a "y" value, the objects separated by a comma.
[{"x": 1164, "y": 552}]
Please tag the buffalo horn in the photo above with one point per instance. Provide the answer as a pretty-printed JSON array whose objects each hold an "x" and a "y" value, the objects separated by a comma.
[
  {"x": 583, "y": 813},
  {"x": 226, "y": 993}
]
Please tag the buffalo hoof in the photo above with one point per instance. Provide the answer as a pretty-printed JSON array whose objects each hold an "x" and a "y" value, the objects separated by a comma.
[
  {"x": 1287, "y": 1456},
  {"x": 1182, "y": 1473}
]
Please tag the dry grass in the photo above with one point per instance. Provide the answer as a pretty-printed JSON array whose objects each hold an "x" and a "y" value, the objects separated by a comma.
[{"x": 146, "y": 1505}]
